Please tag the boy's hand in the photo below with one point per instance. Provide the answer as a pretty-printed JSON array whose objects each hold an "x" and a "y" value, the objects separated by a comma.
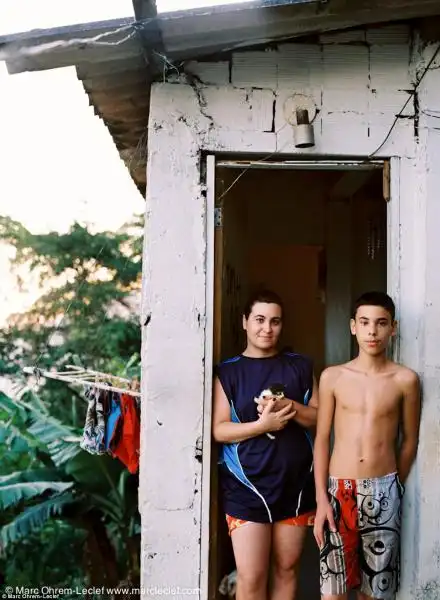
[
  {"x": 324, "y": 514},
  {"x": 272, "y": 420}
]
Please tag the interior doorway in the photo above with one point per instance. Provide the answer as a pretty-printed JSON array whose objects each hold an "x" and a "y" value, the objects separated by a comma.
[{"x": 316, "y": 233}]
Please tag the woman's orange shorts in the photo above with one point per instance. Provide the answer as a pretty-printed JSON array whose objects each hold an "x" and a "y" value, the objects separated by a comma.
[{"x": 305, "y": 520}]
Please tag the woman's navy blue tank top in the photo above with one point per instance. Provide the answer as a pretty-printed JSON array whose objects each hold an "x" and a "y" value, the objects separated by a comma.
[{"x": 266, "y": 480}]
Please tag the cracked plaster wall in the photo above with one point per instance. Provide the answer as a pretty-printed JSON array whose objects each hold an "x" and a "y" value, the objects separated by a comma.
[{"x": 359, "y": 82}]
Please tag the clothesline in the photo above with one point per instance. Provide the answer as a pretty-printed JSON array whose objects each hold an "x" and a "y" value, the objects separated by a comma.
[
  {"x": 84, "y": 377},
  {"x": 81, "y": 370},
  {"x": 112, "y": 423}
]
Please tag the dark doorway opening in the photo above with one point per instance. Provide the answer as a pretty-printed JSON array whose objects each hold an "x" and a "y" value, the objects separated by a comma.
[{"x": 316, "y": 236}]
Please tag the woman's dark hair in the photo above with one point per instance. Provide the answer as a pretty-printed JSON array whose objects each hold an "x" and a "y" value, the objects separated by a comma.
[
  {"x": 375, "y": 299},
  {"x": 262, "y": 295}
]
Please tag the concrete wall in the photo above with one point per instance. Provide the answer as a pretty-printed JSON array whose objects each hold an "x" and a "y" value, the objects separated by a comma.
[{"x": 238, "y": 107}]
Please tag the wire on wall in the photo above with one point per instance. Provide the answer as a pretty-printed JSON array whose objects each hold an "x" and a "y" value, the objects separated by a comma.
[
  {"x": 408, "y": 100},
  {"x": 258, "y": 162},
  {"x": 386, "y": 138}
]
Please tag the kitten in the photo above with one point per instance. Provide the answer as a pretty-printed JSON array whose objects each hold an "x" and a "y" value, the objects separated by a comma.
[{"x": 277, "y": 391}]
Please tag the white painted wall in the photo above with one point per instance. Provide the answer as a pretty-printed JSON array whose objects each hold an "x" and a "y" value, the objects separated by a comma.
[{"x": 358, "y": 90}]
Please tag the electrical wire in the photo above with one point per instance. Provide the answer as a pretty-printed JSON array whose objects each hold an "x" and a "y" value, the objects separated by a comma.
[
  {"x": 410, "y": 97},
  {"x": 258, "y": 162}
]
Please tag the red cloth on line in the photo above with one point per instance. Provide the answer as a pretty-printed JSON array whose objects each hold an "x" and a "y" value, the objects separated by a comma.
[{"x": 125, "y": 444}]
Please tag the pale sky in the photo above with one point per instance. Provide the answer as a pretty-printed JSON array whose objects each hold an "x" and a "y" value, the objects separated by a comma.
[
  {"x": 58, "y": 163},
  {"x": 23, "y": 15}
]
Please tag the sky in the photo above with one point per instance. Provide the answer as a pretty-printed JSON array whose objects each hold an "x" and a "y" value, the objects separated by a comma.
[
  {"x": 23, "y": 15},
  {"x": 58, "y": 163}
]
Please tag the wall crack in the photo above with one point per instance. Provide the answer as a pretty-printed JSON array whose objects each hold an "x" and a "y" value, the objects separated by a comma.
[{"x": 197, "y": 85}]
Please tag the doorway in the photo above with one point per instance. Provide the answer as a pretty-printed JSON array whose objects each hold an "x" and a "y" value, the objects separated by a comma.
[{"x": 315, "y": 233}]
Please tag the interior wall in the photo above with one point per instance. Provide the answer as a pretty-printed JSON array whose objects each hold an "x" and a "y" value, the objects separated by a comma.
[
  {"x": 286, "y": 235},
  {"x": 319, "y": 240},
  {"x": 293, "y": 271},
  {"x": 235, "y": 278},
  {"x": 286, "y": 206},
  {"x": 370, "y": 242},
  {"x": 340, "y": 267},
  {"x": 369, "y": 227}
]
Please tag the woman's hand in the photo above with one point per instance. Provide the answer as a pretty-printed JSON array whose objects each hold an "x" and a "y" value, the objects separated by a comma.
[
  {"x": 279, "y": 403},
  {"x": 272, "y": 420}
]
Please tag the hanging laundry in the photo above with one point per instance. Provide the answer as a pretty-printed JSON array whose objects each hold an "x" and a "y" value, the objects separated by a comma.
[
  {"x": 94, "y": 428},
  {"x": 113, "y": 426},
  {"x": 125, "y": 443},
  {"x": 112, "y": 418}
]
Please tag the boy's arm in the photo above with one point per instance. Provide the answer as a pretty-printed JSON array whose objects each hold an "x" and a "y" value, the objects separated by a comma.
[
  {"x": 326, "y": 412},
  {"x": 410, "y": 423}
]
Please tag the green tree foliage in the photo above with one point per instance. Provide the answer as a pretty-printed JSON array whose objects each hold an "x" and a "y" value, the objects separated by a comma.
[
  {"x": 87, "y": 311},
  {"x": 50, "y": 490}
]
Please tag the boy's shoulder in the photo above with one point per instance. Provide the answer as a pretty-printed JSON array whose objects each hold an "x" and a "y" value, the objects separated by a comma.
[
  {"x": 405, "y": 375},
  {"x": 331, "y": 374}
]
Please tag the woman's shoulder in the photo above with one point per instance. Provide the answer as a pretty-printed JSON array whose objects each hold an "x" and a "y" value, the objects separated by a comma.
[
  {"x": 229, "y": 364},
  {"x": 297, "y": 358},
  {"x": 291, "y": 354},
  {"x": 232, "y": 360}
]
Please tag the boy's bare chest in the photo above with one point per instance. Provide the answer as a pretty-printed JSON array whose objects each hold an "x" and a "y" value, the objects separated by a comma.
[{"x": 375, "y": 395}]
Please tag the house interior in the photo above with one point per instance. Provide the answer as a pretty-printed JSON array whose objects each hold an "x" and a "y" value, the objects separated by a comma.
[{"x": 318, "y": 237}]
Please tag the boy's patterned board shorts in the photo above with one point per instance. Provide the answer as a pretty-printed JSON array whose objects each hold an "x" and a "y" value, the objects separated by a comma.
[{"x": 364, "y": 553}]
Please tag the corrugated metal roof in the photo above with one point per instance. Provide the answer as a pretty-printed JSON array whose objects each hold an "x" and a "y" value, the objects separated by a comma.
[
  {"x": 116, "y": 60},
  {"x": 196, "y": 33}
]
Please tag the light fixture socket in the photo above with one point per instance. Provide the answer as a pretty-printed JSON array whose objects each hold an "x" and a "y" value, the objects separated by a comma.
[{"x": 303, "y": 131}]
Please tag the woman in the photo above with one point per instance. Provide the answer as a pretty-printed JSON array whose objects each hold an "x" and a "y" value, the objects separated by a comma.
[{"x": 267, "y": 460}]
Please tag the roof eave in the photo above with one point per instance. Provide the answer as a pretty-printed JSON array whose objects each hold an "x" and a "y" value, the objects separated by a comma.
[{"x": 203, "y": 32}]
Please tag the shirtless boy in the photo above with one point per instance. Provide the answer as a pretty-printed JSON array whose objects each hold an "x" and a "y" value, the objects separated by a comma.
[{"x": 368, "y": 401}]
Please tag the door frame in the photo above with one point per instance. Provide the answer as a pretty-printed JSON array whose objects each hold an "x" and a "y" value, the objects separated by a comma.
[
  {"x": 208, "y": 537},
  {"x": 213, "y": 260}
]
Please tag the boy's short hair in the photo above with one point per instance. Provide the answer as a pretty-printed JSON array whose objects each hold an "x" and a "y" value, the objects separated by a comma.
[
  {"x": 375, "y": 299},
  {"x": 261, "y": 295}
]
